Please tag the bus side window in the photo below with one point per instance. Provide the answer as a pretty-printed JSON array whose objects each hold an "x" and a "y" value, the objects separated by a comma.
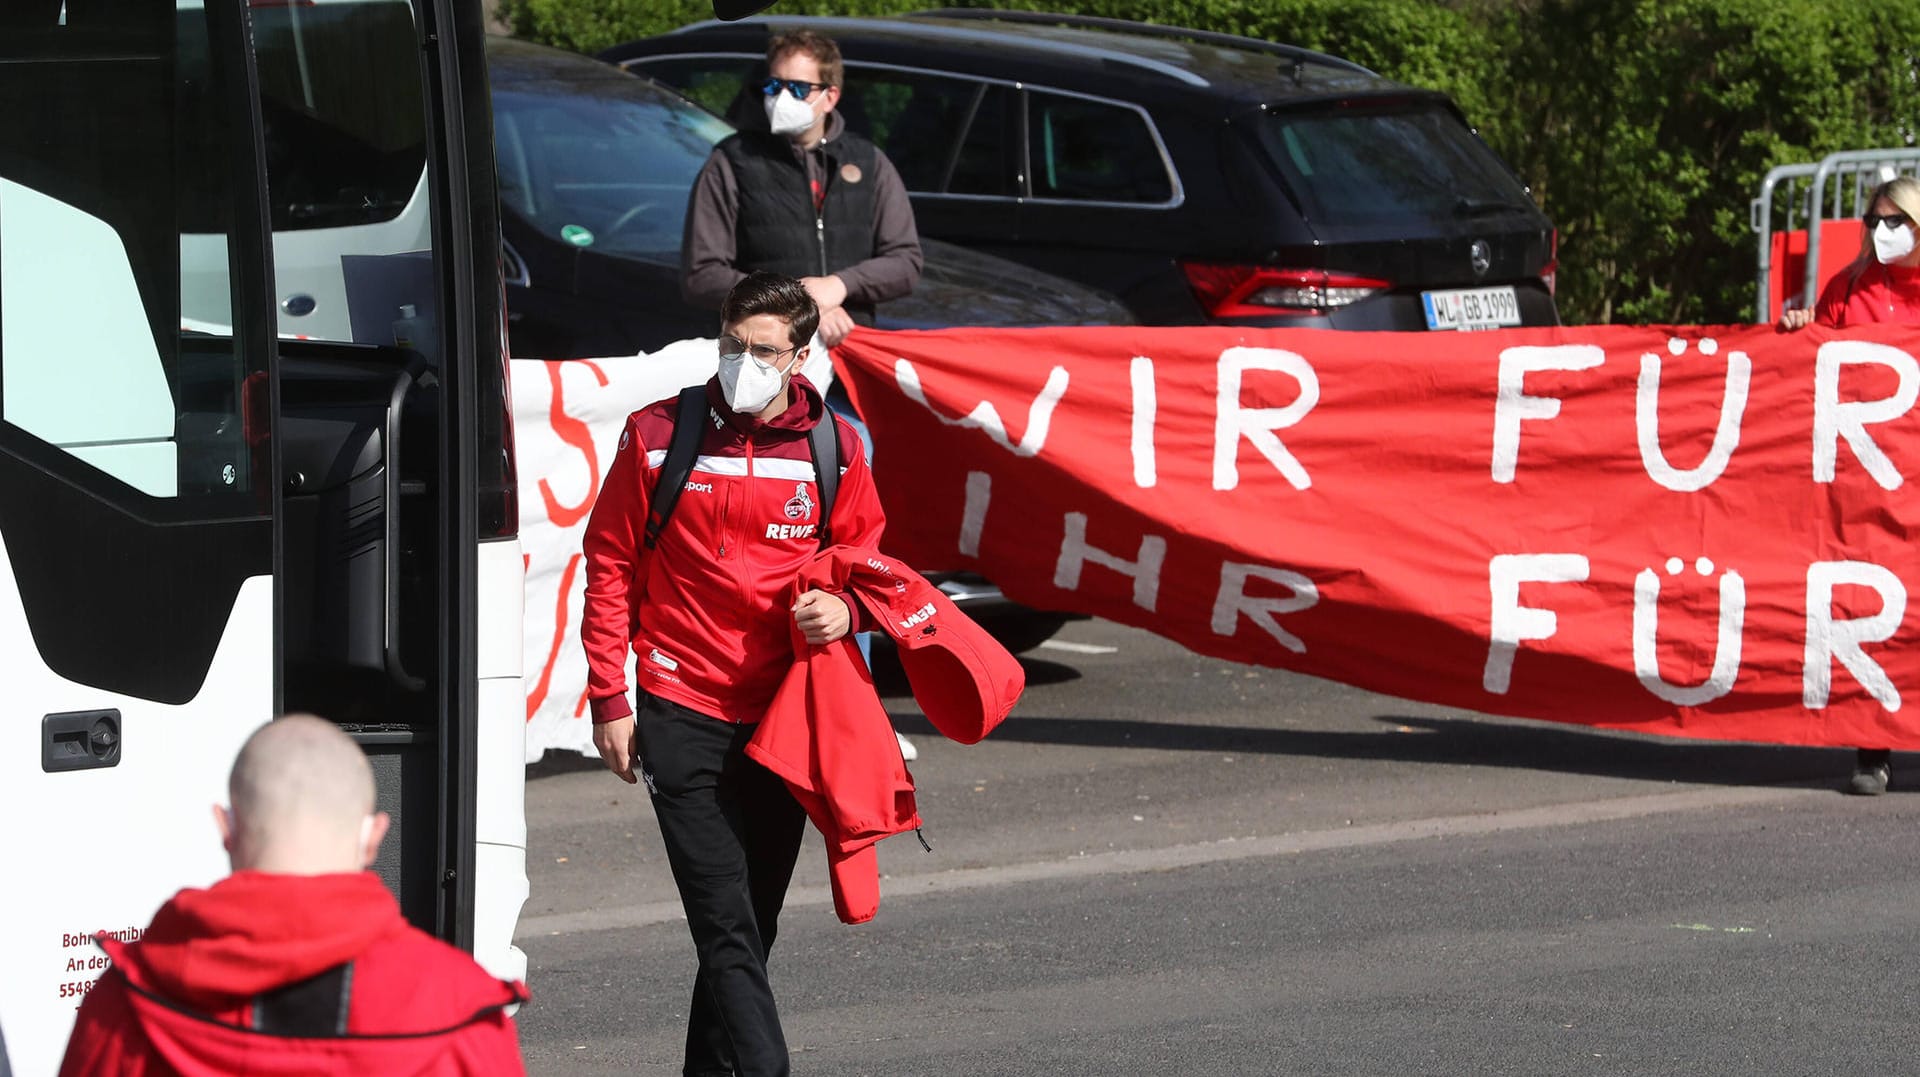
[{"x": 81, "y": 368}]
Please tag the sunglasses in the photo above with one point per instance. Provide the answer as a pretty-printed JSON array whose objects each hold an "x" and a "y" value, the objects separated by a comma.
[
  {"x": 765, "y": 354},
  {"x": 1894, "y": 220},
  {"x": 799, "y": 88}
]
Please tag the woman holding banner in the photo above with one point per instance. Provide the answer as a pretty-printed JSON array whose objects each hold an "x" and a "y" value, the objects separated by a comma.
[{"x": 1882, "y": 285}]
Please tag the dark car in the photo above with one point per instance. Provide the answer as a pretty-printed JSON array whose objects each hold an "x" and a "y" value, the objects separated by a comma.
[
  {"x": 595, "y": 165},
  {"x": 1200, "y": 177}
]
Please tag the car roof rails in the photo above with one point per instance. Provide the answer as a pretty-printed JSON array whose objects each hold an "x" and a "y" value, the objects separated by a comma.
[{"x": 1142, "y": 29}]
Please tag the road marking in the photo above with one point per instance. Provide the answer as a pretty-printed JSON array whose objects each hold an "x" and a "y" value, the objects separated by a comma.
[
  {"x": 1131, "y": 861},
  {"x": 1077, "y": 648}
]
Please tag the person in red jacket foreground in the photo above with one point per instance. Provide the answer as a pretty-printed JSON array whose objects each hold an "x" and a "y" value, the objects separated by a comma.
[
  {"x": 708, "y": 612},
  {"x": 1882, "y": 286},
  {"x": 299, "y": 962}
]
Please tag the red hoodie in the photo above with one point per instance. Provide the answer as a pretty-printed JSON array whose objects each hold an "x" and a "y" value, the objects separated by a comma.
[
  {"x": 706, "y": 611},
  {"x": 185, "y": 999}
]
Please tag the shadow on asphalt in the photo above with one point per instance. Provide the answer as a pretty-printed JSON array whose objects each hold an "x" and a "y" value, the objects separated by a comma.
[
  {"x": 1460, "y": 741},
  {"x": 888, "y": 680}
]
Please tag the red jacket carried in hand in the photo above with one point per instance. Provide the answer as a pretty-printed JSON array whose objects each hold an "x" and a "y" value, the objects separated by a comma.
[
  {"x": 292, "y": 974},
  {"x": 827, "y": 735}
]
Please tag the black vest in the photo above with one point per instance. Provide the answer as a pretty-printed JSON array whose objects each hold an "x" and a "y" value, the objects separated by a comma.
[{"x": 776, "y": 228}]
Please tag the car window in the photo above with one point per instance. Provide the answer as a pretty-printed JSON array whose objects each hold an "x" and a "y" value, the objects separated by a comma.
[
  {"x": 1088, "y": 150},
  {"x": 1384, "y": 168},
  {"x": 924, "y": 123},
  {"x": 985, "y": 165},
  {"x": 604, "y": 164},
  {"x": 715, "y": 83}
]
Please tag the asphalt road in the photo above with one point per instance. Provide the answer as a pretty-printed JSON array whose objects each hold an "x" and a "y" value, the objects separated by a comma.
[{"x": 1165, "y": 864}]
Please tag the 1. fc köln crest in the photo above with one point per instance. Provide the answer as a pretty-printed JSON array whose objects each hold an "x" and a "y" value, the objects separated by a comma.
[{"x": 799, "y": 506}]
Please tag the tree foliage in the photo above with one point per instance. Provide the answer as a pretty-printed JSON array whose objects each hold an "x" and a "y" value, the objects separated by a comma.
[{"x": 1643, "y": 127}]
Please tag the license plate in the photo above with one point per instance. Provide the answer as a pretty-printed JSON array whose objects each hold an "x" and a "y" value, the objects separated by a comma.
[{"x": 1471, "y": 308}]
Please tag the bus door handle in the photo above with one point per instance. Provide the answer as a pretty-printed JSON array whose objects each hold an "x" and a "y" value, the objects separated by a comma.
[{"x": 80, "y": 740}]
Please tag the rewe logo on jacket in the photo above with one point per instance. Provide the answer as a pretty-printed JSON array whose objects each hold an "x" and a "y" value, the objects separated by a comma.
[{"x": 924, "y": 613}]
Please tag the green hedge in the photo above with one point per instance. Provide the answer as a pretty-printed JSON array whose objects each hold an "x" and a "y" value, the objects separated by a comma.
[{"x": 1643, "y": 126}]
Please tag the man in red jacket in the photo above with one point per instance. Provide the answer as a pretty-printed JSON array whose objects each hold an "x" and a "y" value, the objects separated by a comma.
[
  {"x": 299, "y": 962},
  {"x": 709, "y": 612}
]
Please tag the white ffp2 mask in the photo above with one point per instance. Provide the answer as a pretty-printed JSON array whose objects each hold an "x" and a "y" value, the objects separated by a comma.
[
  {"x": 748, "y": 384},
  {"x": 787, "y": 115},
  {"x": 1892, "y": 242}
]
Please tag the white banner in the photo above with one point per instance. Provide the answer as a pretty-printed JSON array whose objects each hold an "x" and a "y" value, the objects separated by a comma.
[{"x": 567, "y": 416}]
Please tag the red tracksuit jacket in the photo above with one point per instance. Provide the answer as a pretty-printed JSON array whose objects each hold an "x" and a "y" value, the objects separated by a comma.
[
  {"x": 181, "y": 1002},
  {"x": 827, "y": 735},
  {"x": 709, "y": 617}
]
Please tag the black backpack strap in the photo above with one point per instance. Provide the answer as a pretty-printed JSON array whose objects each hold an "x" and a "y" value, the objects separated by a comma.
[
  {"x": 689, "y": 424},
  {"x": 824, "y": 440},
  {"x": 314, "y": 1007}
]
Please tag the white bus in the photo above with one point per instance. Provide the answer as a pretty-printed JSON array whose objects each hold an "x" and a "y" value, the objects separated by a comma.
[{"x": 255, "y": 457}]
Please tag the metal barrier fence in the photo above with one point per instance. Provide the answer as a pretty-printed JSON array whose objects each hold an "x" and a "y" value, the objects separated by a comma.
[{"x": 1835, "y": 188}]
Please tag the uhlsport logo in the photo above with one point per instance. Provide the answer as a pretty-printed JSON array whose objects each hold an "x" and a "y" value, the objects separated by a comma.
[{"x": 799, "y": 506}]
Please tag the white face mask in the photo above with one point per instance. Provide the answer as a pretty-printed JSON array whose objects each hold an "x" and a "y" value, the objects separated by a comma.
[
  {"x": 788, "y": 116},
  {"x": 749, "y": 384},
  {"x": 1892, "y": 243}
]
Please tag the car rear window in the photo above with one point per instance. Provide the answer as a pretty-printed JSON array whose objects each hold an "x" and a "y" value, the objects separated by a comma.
[{"x": 1382, "y": 169}]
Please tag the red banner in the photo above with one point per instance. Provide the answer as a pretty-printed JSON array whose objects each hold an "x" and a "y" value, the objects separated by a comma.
[{"x": 1699, "y": 531}]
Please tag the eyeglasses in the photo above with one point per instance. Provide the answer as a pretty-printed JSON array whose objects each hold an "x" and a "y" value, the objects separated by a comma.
[
  {"x": 734, "y": 348},
  {"x": 799, "y": 88},
  {"x": 1895, "y": 220}
]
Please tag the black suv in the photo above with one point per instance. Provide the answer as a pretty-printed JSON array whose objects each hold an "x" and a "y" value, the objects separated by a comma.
[{"x": 1201, "y": 177}]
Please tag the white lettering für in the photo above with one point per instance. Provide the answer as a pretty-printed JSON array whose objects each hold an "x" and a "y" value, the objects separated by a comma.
[
  {"x": 1828, "y": 639},
  {"x": 1513, "y": 405},
  {"x": 1726, "y": 437},
  {"x": 1646, "y": 633},
  {"x": 1512, "y": 622},
  {"x": 1834, "y": 419}
]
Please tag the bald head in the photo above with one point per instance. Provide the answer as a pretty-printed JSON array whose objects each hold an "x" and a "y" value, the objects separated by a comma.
[{"x": 301, "y": 800}]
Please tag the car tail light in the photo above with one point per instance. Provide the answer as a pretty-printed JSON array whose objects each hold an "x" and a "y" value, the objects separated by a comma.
[
  {"x": 1250, "y": 291},
  {"x": 1550, "y": 272}
]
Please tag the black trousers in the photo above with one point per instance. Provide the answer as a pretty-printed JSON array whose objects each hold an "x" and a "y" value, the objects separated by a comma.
[{"x": 732, "y": 833}]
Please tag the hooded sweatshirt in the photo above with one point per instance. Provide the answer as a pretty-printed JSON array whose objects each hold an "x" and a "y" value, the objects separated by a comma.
[
  {"x": 707, "y": 610},
  {"x": 292, "y": 974}
]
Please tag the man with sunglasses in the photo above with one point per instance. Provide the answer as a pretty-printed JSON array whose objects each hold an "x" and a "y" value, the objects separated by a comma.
[
  {"x": 805, "y": 197},
  {"x": 704, "y": 607}
]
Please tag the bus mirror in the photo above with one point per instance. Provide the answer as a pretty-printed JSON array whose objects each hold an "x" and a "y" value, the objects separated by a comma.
[{"x": 729, "y": 10}]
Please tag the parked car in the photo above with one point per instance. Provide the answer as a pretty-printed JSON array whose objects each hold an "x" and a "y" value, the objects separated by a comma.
[
  {"x": 595, "y": 165},
  {"x": 1201, "y": 177}
]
